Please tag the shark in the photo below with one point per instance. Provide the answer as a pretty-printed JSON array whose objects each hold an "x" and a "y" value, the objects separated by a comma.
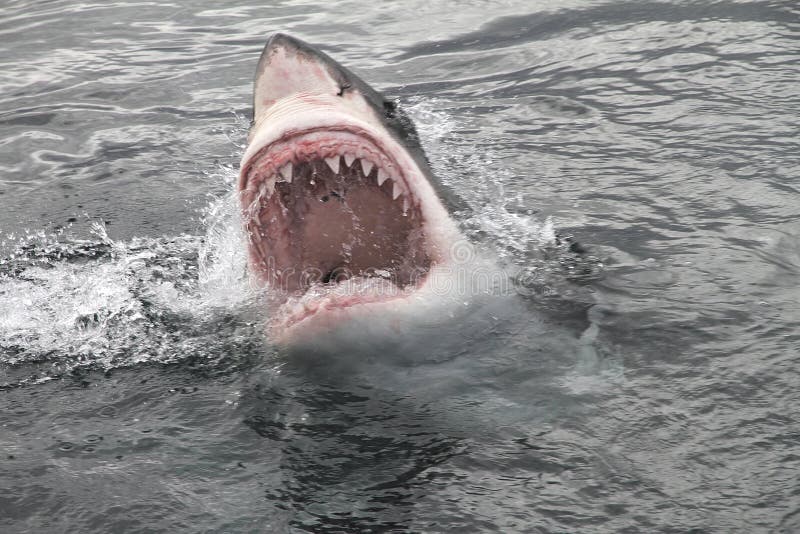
[{"x": 343, "y": 214}]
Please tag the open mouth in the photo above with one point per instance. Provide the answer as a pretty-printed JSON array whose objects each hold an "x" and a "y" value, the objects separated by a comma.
[{"x": 331, "y": 214}]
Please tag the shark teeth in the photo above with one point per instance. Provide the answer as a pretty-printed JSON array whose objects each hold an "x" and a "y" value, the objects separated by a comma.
[
  {"x": 286, "y": 172},
  {"x": 333, "y": 163},
  {"x": 366, "y": 166},
  {"x": 339, "y": 163},
  {"x": 264, "y": 192},
  {"x": 267, "y": 188},
  {"x": 382, "y": 176},
  {"x": 397, "y": 185}
]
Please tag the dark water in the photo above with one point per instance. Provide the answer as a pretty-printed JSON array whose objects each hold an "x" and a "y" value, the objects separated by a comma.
[{"x": 649, "y": 385}]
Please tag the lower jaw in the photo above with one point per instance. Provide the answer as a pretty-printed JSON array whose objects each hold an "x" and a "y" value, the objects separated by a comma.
[{"x": 314, "y": 313}]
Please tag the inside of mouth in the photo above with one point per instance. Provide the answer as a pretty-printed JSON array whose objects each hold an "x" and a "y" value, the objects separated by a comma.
[{"x": 328, "y": 221}]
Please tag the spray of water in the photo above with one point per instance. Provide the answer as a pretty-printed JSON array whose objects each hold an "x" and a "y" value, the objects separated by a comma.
[{"x": 68, "y": 302}]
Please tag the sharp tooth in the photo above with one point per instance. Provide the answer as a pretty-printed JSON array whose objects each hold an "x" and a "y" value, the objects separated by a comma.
[
  {"x": 266, "y": 189},
  {"x": 366, "y": 166},
  {"x": 333, "y": 163},
  {"x": 349, "y": 158},
  {"x": 396, "y": 190},
  {"x": 405, "y": 206},
  {"x": 382, "y": 176},
  {"x": 286, "y": 172}
]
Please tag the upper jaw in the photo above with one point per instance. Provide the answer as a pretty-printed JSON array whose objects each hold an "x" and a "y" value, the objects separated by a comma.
[
  {"x": 300, "y": 114},
  {"x": 278, "y": 158},
  {"x": 303, "y": 111}
]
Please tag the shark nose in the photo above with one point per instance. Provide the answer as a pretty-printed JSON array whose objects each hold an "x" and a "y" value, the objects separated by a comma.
[
  {"x": 281, "y": 40},
  {"x": 289, "y": 66}
]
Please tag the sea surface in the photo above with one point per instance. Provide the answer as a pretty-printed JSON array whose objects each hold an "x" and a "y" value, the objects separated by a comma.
[{"x": 632, "y": 168}]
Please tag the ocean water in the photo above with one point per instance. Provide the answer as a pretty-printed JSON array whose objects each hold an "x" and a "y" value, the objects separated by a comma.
[{"x": 646, "y": 384}]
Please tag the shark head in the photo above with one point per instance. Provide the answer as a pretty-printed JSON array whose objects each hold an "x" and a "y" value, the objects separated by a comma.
[{"x": 339, "y": 203}]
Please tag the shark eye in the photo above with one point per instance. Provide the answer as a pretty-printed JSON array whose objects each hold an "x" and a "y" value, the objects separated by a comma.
[
  {"x": 389, "y": 109},
  {"x": 342, "y": 88}
]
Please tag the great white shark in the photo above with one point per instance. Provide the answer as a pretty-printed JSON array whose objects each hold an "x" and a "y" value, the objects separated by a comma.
[{"x": 343, "y": 213}]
